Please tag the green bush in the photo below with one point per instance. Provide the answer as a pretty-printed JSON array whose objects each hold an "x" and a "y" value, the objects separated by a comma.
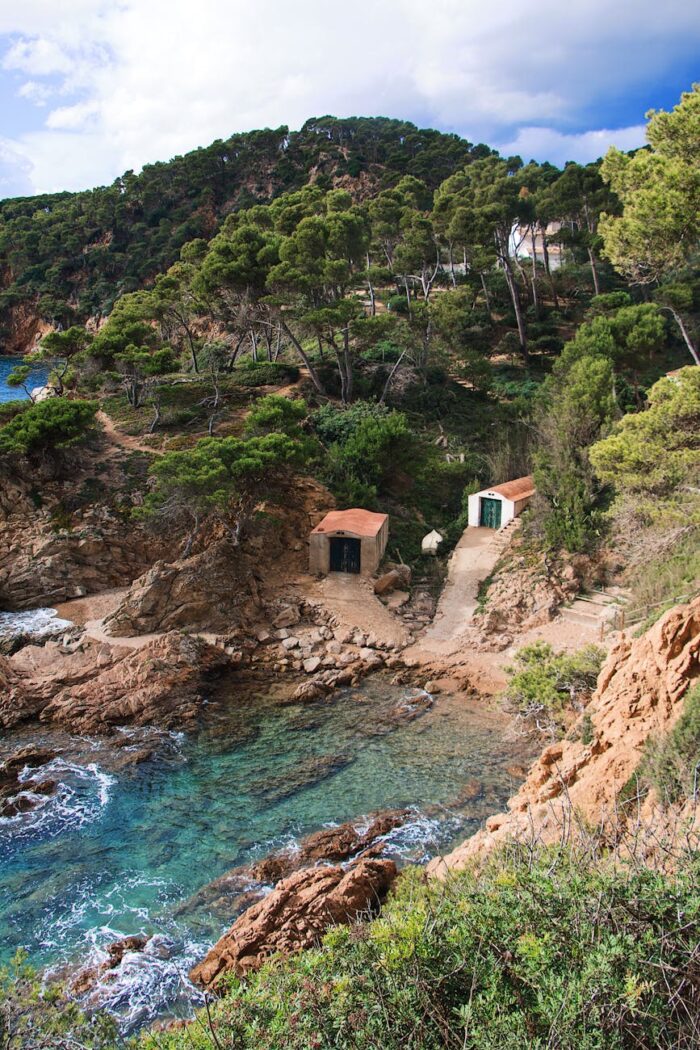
[
  {"x": 265, "y": 373},
  {"x": 671, "y": 764},
  {"x": 46, "y": 426},
  {"x": 36, "y": 1015},
  {"x": 543, "y": 683},
  {"x": 550, "y": 950}
]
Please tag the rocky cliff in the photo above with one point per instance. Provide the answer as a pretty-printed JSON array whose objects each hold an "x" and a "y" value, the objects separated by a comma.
[
  {"x": 576, "y": 782},
  {"x": 94, "y": 687}
]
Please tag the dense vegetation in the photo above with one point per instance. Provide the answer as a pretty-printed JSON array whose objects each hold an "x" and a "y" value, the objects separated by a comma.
[
  {"x": 381, "y": 269},
  {"x": 78, "y": 252}
]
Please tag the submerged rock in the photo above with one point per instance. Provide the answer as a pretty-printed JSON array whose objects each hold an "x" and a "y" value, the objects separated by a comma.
[
  {"x": 302, "y": 775},
  {"x": 16, "y": 795},
  {"x": 238, "y": 888},
  {"x": 295, "y": 915}
]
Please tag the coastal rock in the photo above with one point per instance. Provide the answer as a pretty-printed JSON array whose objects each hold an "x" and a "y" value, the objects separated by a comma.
[
  {"x": 99, "y": 686},
  {"x": 639, "y": 694},
  {"x": 241, "y": 886},
  {"x": 88, "y": 977},
  {"x": 17, "y": 796},
  {"x": 295, "y": 915}
]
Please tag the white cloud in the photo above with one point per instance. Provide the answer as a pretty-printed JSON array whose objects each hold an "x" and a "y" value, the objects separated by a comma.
[
  {"x": 144, "y": 79},
  {"x": 557, "y": 147}
]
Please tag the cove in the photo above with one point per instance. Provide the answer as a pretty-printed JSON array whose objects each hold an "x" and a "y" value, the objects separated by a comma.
[{"x": 120, "y": 847}]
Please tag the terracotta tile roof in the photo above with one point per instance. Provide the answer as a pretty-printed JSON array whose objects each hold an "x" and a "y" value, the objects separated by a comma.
[
  {"x": 519, "y": 488},
  {"x": 361, "y": 522}
]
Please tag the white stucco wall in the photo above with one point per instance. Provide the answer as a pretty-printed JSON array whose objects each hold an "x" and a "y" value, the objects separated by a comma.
[{"x": 508, "y": 508}]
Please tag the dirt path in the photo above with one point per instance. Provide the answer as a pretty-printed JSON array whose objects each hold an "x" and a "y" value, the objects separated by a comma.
[
  {"x": 451, "y": 645},
  {"x": 125, "y": 441}
]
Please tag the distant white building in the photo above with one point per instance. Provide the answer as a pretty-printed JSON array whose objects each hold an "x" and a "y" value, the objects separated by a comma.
[
  {"x": 526, "y": 245},
  {"x": 495, "y": 507}
]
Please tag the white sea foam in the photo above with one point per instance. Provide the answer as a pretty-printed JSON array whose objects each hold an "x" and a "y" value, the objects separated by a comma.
[
  {"x": 82, "y": 792},
  {"x": 32, "y": 621}
]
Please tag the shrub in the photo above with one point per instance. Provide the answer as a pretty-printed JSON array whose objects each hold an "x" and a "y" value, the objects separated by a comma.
[
  {"x": 46, "y": 426},
  {"x": 275, "y": 413},
  {"x": 542, "y": 682},
  {"x": 37, "y": 1015},
  {"x": 265, "y": 373},
  {"x": 544, "y": 950},
  {"x": 671, "y": 764}
]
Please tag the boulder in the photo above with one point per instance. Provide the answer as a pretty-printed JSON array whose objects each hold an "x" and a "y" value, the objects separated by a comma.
[
  {"x": 312, "y": 664},
  {"x": 288, "y": 617},
  {"x": 295, "y": 915},
  {"x": 227, "y": 895},
  {"x": 388, "y": 582}
]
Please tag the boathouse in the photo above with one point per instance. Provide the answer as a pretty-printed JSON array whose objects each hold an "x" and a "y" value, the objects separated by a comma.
[
  {"x": 495, "y": 507},
  {"x": 348, "y": 541}
]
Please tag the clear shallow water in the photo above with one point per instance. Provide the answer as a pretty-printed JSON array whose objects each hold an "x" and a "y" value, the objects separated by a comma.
[
  {"x": 118, "y": 850},
  {"x": 37, "y": 377}
]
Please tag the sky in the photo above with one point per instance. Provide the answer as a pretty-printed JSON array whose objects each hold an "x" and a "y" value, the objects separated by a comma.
[{"x": 92, "y": 88}]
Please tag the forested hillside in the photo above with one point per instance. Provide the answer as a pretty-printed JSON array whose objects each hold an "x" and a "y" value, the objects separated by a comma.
[{"x": 71, "y": 255}]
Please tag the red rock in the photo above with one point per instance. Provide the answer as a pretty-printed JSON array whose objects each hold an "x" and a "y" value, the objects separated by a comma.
[{"x": 295, "y": 915}]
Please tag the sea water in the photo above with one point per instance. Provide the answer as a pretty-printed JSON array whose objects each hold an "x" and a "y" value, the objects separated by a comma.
[
  {"x": 37, "y": 377},
  {"x": 118, "y": 850}
]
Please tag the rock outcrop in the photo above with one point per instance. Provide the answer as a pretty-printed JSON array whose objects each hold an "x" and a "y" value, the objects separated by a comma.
[
  {"x": 576, "y": 783},
  {"x": 239, "y": 887},
  {"x": 98, "y": 686},
  {"x": 16, "y": 796},
  {"x": 523, "y": 594},
  {"x": 223, "y": 585},
  {"x": 295, "y": 915}
]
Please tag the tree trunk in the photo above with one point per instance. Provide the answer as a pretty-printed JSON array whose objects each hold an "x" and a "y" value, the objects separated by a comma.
[
  {"x": 452, "y": 265},
  {"x": 548, "y": 271},
  {"x": 391, "y": 375},
  {"x": 513, "y": 289},
  {"x": 685, "y": 333},
  {"x": 193, "y": 350},
  {"x": 535, "y": 300},
  {"x": 370, "y": 287},
  {"x": 596, "y": 282},
  {"x": 302, "y": 354},
  {"x": 487, "y": 297}
]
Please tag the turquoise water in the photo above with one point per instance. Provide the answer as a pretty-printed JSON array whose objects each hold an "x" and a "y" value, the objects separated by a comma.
[
  {"x": 118, "y": 850},
  {"x": 38, "y": 377}
]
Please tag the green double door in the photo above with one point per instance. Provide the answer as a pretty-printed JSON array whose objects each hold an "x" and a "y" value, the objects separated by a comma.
[{"x": 490, "y": 515}]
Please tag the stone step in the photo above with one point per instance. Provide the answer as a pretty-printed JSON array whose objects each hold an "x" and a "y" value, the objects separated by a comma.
[{"x": 580, "y": 618}]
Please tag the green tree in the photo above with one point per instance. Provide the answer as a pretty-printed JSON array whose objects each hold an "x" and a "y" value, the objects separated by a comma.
[
  {"x": 219, "y": 478},
  {"x": 577, "y": 406},
  {"x": 657, "y": 451},
  {"x": 47, "y": 426},
  {"x": 659, "y": 230}
]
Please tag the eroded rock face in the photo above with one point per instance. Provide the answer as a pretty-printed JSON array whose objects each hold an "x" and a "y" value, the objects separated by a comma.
[
  {"x": 523, "y": 595},
  {"x": 41, "y": 567},
  {"x": 224, "y": 585},
  {"x": 99, "y": 686},
  {"x": 640, "y": 692},
  {"x": 240, "y": 886},
  {"x": 295, "y": 915}
]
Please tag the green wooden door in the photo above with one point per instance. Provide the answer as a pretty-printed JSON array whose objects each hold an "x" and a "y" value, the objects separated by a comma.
[{"x": 490, "y": 516}]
